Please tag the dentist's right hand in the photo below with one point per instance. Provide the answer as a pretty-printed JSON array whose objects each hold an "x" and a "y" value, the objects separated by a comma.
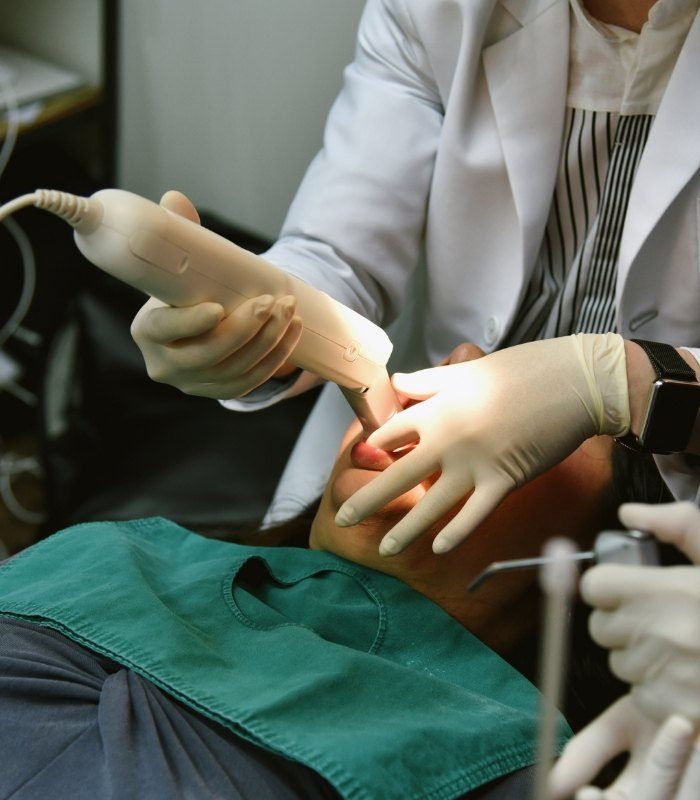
[
  {"x": 201, "y": 351},
  {"x": 490, "y": 425}
]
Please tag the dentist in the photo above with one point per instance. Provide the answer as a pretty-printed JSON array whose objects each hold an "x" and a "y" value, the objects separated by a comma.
[{"x": 543, "y": 154}]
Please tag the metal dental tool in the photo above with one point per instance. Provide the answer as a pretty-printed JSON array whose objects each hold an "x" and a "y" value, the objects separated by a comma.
[
  {"x": 616, "y": 547},
  {"x": 558, "y": 580}
]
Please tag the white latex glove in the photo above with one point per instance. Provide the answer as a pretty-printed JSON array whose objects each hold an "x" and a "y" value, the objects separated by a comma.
[
  {"x": 650, "y": 616},
  {"x": 491, "y": 425},
  {"x": 664, "y": 762},
  {"x": 202, "y": 352}
]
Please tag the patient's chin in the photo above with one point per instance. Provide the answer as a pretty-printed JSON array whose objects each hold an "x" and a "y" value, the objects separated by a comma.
[{"x": 347, "y": 482}]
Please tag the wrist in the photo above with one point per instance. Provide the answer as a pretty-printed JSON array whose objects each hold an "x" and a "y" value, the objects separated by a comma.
[{"x": 602, "y": 356}]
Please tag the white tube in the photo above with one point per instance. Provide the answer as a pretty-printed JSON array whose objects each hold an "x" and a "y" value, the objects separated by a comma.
[{"x": 558, "y": 579}]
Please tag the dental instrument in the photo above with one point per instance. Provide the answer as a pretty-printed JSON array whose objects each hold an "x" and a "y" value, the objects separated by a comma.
[
  {"x": 610, "y": 547},
  {"x": 558, "y": 580},
  {"x": 181, "y": 263}
]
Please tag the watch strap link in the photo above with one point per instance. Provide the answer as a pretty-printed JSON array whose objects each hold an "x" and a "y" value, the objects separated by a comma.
[{"x": 666, "y": 360}]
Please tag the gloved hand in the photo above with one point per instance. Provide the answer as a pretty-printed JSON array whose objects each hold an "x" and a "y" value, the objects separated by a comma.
[
  {"x": 203, "y": 352},
  {"x": 650, "y": 616},
  {"x": 664, "y": 761},
  {"x": 491, "y": 425}
]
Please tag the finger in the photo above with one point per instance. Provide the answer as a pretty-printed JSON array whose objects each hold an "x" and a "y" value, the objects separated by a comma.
[
  {"x": 609, "y": 629},
  {"x": 226, "y": 339},
  {"x": 675, "y": 523},
  {"x": 179, "y": 204},
  {"x": 265, "y": 340},
  {"x": 665, "y": 760},
  {"x": 267, "y": 366},
  {"x": 591, "y": 749},
  {"x": 590, "y": 793},
  {"x": 438, "y": 500},
  {"x": 476, "y": 509},
  {"x": 425, "y": 382},
  {"x": 606, "y": 586},
  {"x": 400, "y": 430},
  {"x": 165, "y": 324},
  {"x": 632, "y": 664},
  {"x": 402, "y": 475},
  {"x": 667, "y": 688},
  {"x": 690, "y": 783}
]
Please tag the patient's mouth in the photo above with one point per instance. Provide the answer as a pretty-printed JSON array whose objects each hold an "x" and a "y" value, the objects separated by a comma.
[{"x": 364, "y": 456}]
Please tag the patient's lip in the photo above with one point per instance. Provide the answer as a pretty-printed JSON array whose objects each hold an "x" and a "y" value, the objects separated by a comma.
[{"x": 364, "y": 456}]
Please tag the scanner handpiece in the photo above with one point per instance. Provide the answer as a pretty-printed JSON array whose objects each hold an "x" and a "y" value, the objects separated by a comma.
[{"x": 182, "y": 263}]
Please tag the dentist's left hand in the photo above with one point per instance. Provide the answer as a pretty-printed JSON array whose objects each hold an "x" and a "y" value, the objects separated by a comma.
[
  {"x": 490, "y": 425},
  {"x": 202, "y": 350}
]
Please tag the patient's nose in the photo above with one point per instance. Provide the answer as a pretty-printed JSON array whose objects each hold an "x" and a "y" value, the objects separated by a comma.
[{"x": 364, "y": 456}]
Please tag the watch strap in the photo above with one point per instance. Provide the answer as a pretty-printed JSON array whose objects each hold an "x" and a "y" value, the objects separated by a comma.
[
  {"x": 667, "y": 364},
  {"x": 667, "y": 361}
]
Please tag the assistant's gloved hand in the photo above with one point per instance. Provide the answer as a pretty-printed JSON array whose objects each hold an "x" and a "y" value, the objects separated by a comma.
[
  {"x": 650, "y": 616},
  {"x": 491, "y": 425},
  {"x": 203, "y": 352},
  {"x": 664, "y": 761}
]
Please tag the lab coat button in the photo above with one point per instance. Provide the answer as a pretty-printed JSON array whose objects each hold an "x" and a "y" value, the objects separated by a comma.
[{"x": 491, "y": 330}]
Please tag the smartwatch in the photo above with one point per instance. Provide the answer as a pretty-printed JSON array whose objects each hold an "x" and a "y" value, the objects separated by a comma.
[{"x": 672, "y": 406}]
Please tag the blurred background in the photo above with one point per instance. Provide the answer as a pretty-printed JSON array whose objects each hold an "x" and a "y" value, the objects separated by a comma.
[{"x": 224, "y": 100}]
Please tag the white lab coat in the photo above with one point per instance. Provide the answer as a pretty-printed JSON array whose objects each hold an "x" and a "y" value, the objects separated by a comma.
[{"x": 447, "y": 134}]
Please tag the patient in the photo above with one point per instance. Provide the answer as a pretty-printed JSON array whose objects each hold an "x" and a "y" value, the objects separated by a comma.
[
  {"x": 328, "y": 672},
  {"x": 574, "y": 499}
]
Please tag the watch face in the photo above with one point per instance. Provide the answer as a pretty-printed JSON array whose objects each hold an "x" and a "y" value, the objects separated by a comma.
[{"x": 673, "y": 406}]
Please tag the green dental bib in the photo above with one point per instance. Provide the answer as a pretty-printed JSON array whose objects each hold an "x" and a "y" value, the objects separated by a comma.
[{"x": 298, "y": 651}]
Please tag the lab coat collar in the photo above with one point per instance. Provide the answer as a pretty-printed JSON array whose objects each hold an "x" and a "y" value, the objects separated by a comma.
[
  {"x": 527, "y": 75},
  {"x": 526, "y": 10},
  {"x": 671, "y": 156}
]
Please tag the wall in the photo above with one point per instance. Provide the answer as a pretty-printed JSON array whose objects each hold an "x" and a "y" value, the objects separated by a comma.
[
  {"x": 66, "y": 32},
  {"x": 226, "y": 99}
]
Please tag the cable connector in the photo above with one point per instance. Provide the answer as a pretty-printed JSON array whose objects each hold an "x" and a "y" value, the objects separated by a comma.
[{"x": 83, "y": 213}]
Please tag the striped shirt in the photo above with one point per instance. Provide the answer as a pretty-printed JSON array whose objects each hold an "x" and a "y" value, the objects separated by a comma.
[
  {"x": 616, "y": 82},
  {"x": 573, "y": 285}
]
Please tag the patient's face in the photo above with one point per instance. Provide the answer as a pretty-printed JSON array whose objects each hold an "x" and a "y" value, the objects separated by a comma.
[{"x": 568, "y": 500}]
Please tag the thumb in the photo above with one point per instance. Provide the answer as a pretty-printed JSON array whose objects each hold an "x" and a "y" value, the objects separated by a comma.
[
  {"x": 588, "y": 752},
  {"x": 179, "y": 204},
  {"x": 674, "y": 523}
]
